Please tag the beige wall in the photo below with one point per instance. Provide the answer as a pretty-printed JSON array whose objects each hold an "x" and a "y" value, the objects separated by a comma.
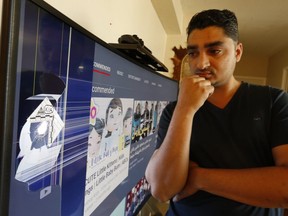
[
  {"x": 173, "y": 40},
  {"x": 277, "y": 63},
  {"x": 177, "y": 41},
  {"x": 250, "y": 65},
  {"x": 107, "y": 20}
]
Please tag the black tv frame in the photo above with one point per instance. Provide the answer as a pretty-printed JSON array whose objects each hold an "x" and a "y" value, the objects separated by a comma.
[{"x": 8, "y": 48}]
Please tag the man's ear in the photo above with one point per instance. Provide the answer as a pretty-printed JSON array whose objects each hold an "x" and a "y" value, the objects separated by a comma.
[{"x": 239, "y": 51}]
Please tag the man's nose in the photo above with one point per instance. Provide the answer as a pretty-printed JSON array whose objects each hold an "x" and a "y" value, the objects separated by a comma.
[{"x": 203, "y": 61}]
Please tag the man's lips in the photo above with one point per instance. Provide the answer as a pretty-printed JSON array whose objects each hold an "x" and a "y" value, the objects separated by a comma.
[{"x": 206, "y": 74}]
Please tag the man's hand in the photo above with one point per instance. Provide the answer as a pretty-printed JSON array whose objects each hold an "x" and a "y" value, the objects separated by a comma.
[
  {"x": 190, "y": 187},
  {"x": 193, "y": 92}
]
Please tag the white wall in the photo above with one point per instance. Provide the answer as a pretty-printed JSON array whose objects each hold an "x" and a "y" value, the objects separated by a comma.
[{"x": 109, "y": 19}]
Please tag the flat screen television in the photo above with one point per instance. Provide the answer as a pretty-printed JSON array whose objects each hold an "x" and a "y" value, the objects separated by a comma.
[{"x": 78, "y": 118}]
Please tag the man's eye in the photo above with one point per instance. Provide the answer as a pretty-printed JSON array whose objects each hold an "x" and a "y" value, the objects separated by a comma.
[
  {"x": 215, "y": 51},
  {"x": 193, "y": 54}
]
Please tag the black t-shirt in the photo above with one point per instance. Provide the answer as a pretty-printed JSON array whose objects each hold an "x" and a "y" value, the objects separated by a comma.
[{"x": 239, "y": 136}]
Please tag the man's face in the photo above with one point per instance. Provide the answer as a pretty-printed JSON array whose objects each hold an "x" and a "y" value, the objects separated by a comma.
[
  {"x": 212, "y": 54},
  {"x": 114, "y": 119},
  {"x": 94, "y": 142}
]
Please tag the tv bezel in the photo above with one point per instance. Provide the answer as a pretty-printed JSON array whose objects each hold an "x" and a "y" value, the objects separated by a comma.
[{"x": 8, "y": 57}]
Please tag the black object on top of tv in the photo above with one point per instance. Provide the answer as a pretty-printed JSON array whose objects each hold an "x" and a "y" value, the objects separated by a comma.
[{"x": 133, "y": 47}]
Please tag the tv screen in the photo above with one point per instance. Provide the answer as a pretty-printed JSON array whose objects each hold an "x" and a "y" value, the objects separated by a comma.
[{"x": 84, "y": 120}]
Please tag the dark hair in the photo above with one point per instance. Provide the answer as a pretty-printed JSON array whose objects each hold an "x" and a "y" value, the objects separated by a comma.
[
  {"x": 114, "y": 103},
  {"x": 224, "y": 19}
]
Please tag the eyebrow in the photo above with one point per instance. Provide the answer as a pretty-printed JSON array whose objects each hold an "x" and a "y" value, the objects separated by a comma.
[{"x": 208, "y": 45}]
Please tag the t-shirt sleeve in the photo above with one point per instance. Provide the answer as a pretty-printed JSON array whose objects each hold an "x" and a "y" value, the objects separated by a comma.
[
  {"x": 279, "y": 119},
  {"x": 164, "y": 123}
]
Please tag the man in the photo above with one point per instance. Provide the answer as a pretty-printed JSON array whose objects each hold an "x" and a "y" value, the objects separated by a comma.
[{"x": 223, "y": 146}]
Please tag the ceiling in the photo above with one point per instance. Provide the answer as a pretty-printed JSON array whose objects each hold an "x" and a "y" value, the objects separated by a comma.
[{"x": 263, "y": 24}]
